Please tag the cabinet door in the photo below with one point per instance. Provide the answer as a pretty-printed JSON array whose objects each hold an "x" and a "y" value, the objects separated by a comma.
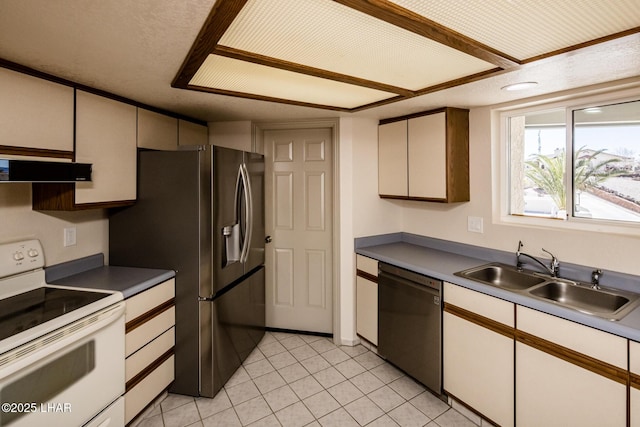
[
  {"x": 392, "y": 159},
  {"x": 478, "y": 362},
  {"x": 157, "y": 131},
  {"x": 427, "y": 153},
  {"x": 367, "y": 309},
  {"x": 568, "y": 374},
  {"x": 367, "y": 298},
  {"x": 106, "y": 137},
  {"x": 35, "y": 113},
  {"x": 634, "y": 392},
  {"x": 192, "y": 133},
  {"x": 554, "y": 392}
]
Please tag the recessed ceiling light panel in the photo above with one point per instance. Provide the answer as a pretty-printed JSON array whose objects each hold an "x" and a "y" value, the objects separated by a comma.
[
  {"x": 232, "y": 75},
  {"x": 330, "y": 36},
  {"x": 526, "y": 29}
]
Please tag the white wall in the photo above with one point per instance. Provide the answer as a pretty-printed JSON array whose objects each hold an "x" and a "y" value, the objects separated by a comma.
[
  {"x": 362, "y": 212},
  {"x": 19, "y": 222}
]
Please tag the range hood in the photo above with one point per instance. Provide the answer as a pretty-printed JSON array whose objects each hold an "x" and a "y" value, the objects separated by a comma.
[{"x": 14, "y": 170}]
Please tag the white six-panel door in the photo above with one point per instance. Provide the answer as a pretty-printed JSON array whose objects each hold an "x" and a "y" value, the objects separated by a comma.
[{"x": 298, "y": 184}]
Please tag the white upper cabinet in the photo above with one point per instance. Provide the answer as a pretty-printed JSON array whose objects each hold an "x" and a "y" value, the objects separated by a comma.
[
  {"x": 161, "y": 132},
  {"x": 35, "y": 113},
  {"x": 106, "y": 138},
  {"x": 425, "y": 156},
  {"x": 190, "y": 133},
  {"x": 392, "y": 159},
  {"x": 157, "y": 131},
  {"x": 236, "y": 134}
]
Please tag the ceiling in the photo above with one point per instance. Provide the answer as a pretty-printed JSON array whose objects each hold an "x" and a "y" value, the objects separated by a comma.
[{"x": 368, "y": 53}]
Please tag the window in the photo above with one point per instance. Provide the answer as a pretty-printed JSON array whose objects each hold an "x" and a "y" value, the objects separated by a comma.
[{"x": 603, "y": 182}]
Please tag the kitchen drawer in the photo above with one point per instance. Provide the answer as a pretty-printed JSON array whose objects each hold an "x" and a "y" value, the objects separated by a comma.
[
  {"x": 139, "y": 336},
  {"x": 592, "y": 342},
  {"x": 479, "y": 303},
  {"x": 136, "y": 399},
  {"x": 148, "y": 300},
  {"x": 149, "y": 353},
  {"x": 367, "y": 265}
]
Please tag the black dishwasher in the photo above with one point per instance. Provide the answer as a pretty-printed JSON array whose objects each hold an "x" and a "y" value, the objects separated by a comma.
[{"x": 410, "y": 323}]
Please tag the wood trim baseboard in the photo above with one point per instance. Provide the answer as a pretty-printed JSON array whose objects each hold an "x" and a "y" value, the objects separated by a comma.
[{"x": 471, "y": 408}]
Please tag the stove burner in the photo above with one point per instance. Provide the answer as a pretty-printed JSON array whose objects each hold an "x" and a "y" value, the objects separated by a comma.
[{"x": 30, "y": 309}]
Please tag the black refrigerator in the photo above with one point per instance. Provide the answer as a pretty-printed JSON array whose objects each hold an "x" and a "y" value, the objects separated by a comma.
[{"x": 201, "y": 213}]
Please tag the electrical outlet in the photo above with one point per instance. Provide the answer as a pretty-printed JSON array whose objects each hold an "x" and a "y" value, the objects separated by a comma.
[
  {"x": 69, "y": 236},
  {"x": 475, "y": 224}
]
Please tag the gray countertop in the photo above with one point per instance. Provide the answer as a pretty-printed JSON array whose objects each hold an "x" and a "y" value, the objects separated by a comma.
[
  {"x": 418, "y": 254},
  {"x": 92, "y": 274}
]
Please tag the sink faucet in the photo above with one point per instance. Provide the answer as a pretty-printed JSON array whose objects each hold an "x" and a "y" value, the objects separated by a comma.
[
  {"x": 595, "y": 278},
  {"x": 553, "y": 267}
]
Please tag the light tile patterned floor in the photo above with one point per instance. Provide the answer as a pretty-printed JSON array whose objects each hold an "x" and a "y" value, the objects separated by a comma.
[{"x": 304, "y": 380}]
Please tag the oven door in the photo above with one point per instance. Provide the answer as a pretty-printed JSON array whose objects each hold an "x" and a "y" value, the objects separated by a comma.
[{"x": 66, "y": 377}]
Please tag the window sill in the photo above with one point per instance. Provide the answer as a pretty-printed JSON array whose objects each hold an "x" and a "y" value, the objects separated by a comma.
[{"x": 574, "y": 224}]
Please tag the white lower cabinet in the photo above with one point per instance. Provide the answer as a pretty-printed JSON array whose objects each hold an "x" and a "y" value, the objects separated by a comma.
[
  {"x": 149, "y": 343},
  {"x": 367, "y": 298},
  {"x": 478, "y": 359},
  {"x": 634, "y": 377},
  {"x": 539, "y": 371},
  {"x": 568, "y": 374}
]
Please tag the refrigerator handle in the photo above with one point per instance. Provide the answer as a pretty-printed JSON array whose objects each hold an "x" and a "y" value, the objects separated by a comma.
[
  {"x": 233, "y": 234},
  {"x": 248, "y": 217}
]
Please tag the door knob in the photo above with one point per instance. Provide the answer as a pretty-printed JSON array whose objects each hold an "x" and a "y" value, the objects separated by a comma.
[{"x": 267, "y": 239}]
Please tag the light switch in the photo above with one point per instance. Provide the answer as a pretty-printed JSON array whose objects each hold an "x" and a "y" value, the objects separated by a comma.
[
  {"x": 69, "y": 236},
  {"x": 474, "y": 224}
]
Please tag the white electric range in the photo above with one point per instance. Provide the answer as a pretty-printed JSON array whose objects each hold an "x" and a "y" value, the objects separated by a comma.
[{"x": 61, "y": 349}]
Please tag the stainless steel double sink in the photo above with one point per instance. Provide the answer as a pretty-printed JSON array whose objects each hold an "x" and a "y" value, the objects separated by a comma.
[{"x": 608, "y": 303}]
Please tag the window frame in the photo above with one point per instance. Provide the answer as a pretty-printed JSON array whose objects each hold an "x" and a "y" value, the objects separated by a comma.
[{"x": 502, "y": 203}]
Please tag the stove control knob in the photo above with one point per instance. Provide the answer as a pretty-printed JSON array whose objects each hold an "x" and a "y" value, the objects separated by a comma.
[
  {"x": 18, "y": 256},
  {"x": 33, "y": 253}
]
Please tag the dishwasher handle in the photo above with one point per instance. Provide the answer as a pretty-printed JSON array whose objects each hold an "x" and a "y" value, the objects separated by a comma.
[
  {"x": 408, "y": 277},
  {"x": 395, "y": 282}
]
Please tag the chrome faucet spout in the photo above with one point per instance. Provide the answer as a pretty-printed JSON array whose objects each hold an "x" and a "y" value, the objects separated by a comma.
[{"x": 553, "y": 267}]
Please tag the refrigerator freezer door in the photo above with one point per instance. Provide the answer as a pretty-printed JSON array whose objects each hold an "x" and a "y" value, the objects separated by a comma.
[{"x": 238, "y": 326}]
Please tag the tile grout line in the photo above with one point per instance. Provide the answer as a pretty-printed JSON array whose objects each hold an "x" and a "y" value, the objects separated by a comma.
[{"x": 320, "y": 349}]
